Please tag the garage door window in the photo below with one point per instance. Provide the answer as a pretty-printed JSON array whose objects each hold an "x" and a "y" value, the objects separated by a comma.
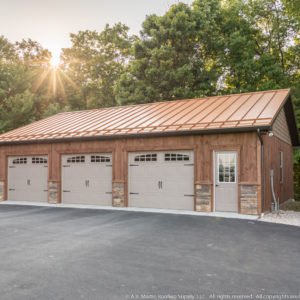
[
  {"x": 146, "y": 157},
  {"x": 21, "y": 160},
  {"x": 176, "y": 157},
  {"x": 76, "y": 159},
  {"x": 39, "y": 160},
  {"x": 100, "y": 158}
]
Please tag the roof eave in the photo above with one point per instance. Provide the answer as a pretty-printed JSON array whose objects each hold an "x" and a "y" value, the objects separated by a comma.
[
  {"x": 291, "y": 120},
  {"x": 140, "y": 135}
]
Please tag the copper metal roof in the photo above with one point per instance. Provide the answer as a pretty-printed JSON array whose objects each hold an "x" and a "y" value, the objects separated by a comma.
[{"x": 232, "y": 111}]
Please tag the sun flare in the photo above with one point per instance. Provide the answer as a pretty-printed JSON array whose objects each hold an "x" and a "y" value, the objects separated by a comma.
[{"x": 55, "y": 59}]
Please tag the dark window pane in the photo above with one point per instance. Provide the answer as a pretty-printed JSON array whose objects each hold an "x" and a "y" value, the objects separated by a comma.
[{"x": 221, "y": 177}]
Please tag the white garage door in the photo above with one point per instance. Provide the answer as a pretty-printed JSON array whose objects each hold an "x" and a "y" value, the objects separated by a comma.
[
  {"x": 162, "y": 180},
  {"x": 28, "y": 178},
  {"x": 87, "y": 179}
]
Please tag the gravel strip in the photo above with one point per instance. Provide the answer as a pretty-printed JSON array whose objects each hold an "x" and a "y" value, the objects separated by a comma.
[{"x": 288, "y": 217}]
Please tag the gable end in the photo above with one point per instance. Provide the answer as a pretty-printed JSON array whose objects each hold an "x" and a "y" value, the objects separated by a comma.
[{"x": 281, "y": 128}]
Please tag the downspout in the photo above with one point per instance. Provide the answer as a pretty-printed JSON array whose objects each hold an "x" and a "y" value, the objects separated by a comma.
[
  {"x": 262, "y": 169},
  {"x": 276, "y": 202}
]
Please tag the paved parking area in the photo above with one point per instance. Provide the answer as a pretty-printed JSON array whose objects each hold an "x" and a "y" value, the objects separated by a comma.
[{"x": 66, "y": 253}]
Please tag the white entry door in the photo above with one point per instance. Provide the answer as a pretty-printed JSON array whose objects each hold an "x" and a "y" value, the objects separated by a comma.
[
  {"x": 226, "y": 185},
  {"x": 161, "y": 180},
  {"x": 87, "y": 179},
  {"x": 28, "y": 178}
]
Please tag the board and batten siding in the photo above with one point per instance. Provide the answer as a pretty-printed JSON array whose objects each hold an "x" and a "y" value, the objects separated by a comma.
[
  {"x": 246, "y": 144},
  {"x": 283, "y": 190},
  {"x": 281, "y": 129}
]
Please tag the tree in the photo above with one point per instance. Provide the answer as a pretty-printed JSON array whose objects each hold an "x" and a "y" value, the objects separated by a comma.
[
  {"x": 93, "y": 65},
  {"x": 20, "y": 67},
  {"x": 31, "y": 53},
  {"x": 171, "y": 60},
  {"x": 258, "y": 37},
  {"x": 16, "y": 111}
]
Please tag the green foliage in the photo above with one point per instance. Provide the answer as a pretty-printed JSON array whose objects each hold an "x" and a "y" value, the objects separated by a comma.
[
  {"x": 55, "y": 108},
  {"x": 170, "y": 61},
  {"x": 94, "y": 63},
  {"x": 17, "y": 110}
]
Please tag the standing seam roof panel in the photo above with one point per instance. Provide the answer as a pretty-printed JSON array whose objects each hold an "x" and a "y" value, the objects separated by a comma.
[
  {"x": 197, "y": 111},
  {"x": 121, "y": 124},
  {"x": 182, "y": 114},
  {"x": 66, "y": 123},
  {"x": 258, "y": 106},
  {"x": 249, "y": 101},
  {"x": 142, "y": 116},
  {"x": 174, "y": 112},
  {"x": 207, "y": 110},
  {"x": 115, "y": 119},
  {"x": 268, "y": 112},
  {"x": 233, "y": 111}
]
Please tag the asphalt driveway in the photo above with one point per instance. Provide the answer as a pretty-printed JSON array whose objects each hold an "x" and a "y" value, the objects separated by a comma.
[{"x": 65, "y": 253}]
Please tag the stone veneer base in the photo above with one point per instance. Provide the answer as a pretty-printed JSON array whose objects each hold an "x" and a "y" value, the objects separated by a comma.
[
  {"x": 53, "y": 192},
  {"x": 249, "y": 199},
  {"x": 203, "y": 197},
  {"x": 118, "y": 199}
]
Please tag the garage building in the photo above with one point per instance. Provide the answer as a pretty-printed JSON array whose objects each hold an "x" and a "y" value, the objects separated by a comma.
[{"x": 208, "y": 154}]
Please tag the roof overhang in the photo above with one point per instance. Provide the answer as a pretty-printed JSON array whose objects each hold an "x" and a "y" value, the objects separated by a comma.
[
  {"x": 291, "y": 120},
  {"x": 141, "y": 135}
]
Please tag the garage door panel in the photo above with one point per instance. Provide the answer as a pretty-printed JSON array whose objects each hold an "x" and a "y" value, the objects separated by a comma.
[
  {"x": 28, "y": 178},
  {"x": 161, "y": 180},
  {"x": 87, "y": 179}
]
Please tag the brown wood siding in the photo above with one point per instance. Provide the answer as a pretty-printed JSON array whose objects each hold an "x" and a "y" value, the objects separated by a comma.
[
  {"x": 203, "y": 145},
  {"x": 281, "y": 129},
  {"x": 283, "y": 190}
]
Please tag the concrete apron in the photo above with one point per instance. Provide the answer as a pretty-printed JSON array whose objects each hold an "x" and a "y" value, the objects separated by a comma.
[{"x": 135, "y": 209}]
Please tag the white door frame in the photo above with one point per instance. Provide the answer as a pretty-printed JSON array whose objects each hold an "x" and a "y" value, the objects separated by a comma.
[{"x": 214, "y": 173}]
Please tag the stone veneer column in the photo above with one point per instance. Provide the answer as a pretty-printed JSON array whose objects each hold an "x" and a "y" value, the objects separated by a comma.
[
  {"x": 53, "y": 192},
  {"x": 249, "y": 199},
  {"x": 1, "y": 190},
  {"x": 203, "y": 197},
  {"x": 118, "y": 194}
]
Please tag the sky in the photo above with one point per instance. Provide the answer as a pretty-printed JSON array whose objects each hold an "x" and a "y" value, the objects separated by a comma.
[{"x": 50, "y": 22}]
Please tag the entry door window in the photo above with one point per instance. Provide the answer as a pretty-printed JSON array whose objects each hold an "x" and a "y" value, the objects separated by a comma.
[{"x": 226, "y": 167}]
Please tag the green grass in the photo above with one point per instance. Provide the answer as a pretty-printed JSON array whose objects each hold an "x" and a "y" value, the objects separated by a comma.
[{"x": 295, "y": 206}]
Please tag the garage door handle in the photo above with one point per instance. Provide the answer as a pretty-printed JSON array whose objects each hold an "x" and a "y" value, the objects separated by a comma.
[
  {"x": 134, "y": 193},
  {"x": 188, "y": 195},
  {"x": 133, "y": 165},
  {"x": 160, "y": 184},
  {"x": 188, "y": 165},
  {"x": 45, "y": 190},
  {"x": 108, "y": 193},
  {"x": 11, "y": 189},
  {"x": 64, "y": 191},
  {"x": 66, "y": 166}
]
